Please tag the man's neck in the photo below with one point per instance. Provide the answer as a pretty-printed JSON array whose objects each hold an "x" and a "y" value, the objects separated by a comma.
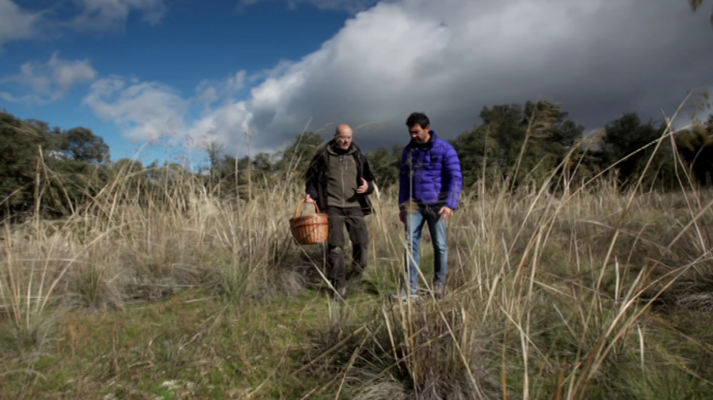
[
  {"x": 430, "y": 137},
  {"x": 340, "y": 150}
]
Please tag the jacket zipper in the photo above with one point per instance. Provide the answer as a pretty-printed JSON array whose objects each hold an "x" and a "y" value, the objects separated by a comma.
[{"x": 341, "y": 160}]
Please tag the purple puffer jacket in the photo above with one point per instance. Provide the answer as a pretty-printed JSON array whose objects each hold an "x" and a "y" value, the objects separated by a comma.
[{"x": 430, "y": 173}]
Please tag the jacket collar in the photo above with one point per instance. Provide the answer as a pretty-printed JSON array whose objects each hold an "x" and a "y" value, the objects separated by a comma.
[
  {"x": 427, "y": 145},
  {"x": 329, "y": 148}
]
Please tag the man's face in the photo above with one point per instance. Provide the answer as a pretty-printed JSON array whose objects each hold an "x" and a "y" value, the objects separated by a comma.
[
  {"x": 344, "y": 139},
  {"x": 419, "y": 134}
]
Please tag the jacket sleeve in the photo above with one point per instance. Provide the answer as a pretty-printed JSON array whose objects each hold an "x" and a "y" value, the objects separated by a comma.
[
  {"x": 452, "y": 178},
  {"x": 367, "y": 175},
  {"x": 404, "y": 178},
  {"x": 311, "y": 178}
]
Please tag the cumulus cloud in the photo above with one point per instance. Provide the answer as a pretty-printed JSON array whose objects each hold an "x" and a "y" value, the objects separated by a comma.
[
  {"x": 16, "y": 23},
  {"x": 208, "y": 92},
  {"x": 152, "y": 111},
  {"x": 50, "y": 81},
  {"x": 598, "y": 58},
  {"x": 144, "y": 110}
]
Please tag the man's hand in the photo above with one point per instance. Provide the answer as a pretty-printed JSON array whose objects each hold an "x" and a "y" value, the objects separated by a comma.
[
  {"x": 309, "y": 199},
  {"x": 446, "y": 213},
  {"x": 363, "y": 187}
]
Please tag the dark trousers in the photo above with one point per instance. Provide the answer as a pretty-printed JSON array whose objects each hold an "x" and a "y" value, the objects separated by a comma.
[{"x": 353, "y": 219}]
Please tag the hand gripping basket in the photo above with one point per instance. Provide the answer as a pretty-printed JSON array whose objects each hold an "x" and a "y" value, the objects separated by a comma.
[{"x": 309, "y": 229}]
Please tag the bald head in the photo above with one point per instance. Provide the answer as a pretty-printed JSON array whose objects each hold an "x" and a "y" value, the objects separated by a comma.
[{"x": 343, "y": 136}]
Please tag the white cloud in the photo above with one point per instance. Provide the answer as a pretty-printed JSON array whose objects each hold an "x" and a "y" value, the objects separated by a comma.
[
  {"x": 208, "y": 92},
  {"x": 110, "y": 14},
  {"x": 154, "y": 112},
  {"x": 82, "y": 15},
  {"x": 16, "y": 23},
  {"x": 50, "y": 81},
  {"x": 449, "y": 58},
  {"x": 144, "y": 110},
  {"x": 352, "y": 6}
]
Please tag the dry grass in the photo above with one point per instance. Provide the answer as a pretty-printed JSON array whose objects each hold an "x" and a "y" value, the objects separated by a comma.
[
  {"x": 535, "y": 309},
  {"x": 577, "y": 294}
]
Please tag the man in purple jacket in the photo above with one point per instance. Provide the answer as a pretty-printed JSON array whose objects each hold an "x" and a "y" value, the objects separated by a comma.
[{"x": 429, "y": 189}]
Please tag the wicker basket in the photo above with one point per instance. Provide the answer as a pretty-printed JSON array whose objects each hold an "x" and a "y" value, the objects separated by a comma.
[{"x": 309, "y": 229}]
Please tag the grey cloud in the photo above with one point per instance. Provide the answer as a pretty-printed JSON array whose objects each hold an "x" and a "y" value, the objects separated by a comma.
[{"x": 598, "y": 58}]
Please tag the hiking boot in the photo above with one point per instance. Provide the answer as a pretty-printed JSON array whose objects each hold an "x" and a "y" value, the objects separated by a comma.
[{"x": 439, "y": 290}]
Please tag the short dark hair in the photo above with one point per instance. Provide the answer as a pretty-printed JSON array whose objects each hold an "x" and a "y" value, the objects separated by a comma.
[{"x": 418, "y": 118}]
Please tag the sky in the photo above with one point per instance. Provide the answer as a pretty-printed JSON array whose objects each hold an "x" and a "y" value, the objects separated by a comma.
[{"x": 160, "y": 78}]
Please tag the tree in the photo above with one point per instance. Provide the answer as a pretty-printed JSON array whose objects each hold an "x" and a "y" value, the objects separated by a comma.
[
  {"x": 516, "y": 143},
  {"x": 263, "y": 167},
  {"x": 696, "y": 147},
  {"x": 47, "y": 167},
  {"x": 479, "y": 152},
  {"x": 295, "y": 159},
  {"x": 623, "y": 145},
  {"x": 81, "y": 144},
  {"x": 213, "y": 149},
  {"x": 385, "y": 166},
  {"x": 21, "y": 144}
]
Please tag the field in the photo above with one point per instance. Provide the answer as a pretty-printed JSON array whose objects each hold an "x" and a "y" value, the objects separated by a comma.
[{"x": 589, "y": 293}]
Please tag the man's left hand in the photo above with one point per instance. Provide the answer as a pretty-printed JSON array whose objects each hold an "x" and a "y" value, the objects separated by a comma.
[
  {"x": 363, "y": 187},
  {"x": 446, "y": 212}
]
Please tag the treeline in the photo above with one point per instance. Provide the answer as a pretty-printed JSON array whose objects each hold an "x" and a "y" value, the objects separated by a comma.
[
  {"x": 36, "y": 161},
  {"x": 56, "y": 172},
  {"x": 527, "y": 144}
]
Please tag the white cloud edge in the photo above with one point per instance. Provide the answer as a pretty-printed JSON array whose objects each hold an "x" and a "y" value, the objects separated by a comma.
[
  {"x": 17, "y": 23},
  {"x": 50, "y": 81}
]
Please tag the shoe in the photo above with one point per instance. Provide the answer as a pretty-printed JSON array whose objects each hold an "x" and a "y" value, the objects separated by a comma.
[
  {"x": 404, "y": 297},
  {"x": 439, "y": 290},
  {"x": 341, "y": 294}
]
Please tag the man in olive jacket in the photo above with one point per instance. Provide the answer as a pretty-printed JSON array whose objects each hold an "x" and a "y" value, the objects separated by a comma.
[{"x": 339, "y": 180}]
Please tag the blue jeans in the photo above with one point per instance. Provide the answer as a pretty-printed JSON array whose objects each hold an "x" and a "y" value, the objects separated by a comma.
[{"x": 415, "y": 220}]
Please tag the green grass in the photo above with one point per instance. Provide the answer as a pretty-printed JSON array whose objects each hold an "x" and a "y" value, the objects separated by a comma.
[{"x": 210, "y": 346}]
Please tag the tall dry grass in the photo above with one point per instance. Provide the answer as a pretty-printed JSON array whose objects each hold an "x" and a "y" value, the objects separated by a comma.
[
  {"x": 124, "y": 247},
  {"x": 567, "y": 294},
  {"x": 550, "y": 297}
]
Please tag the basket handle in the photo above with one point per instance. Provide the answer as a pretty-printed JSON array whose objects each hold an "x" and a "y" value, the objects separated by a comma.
[{"x": 299, "y": 206}]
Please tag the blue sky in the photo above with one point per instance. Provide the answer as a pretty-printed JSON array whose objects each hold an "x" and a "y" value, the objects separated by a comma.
[
  {"x": 180, "y": 74},
  {"x": 190, "y": 43}
]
